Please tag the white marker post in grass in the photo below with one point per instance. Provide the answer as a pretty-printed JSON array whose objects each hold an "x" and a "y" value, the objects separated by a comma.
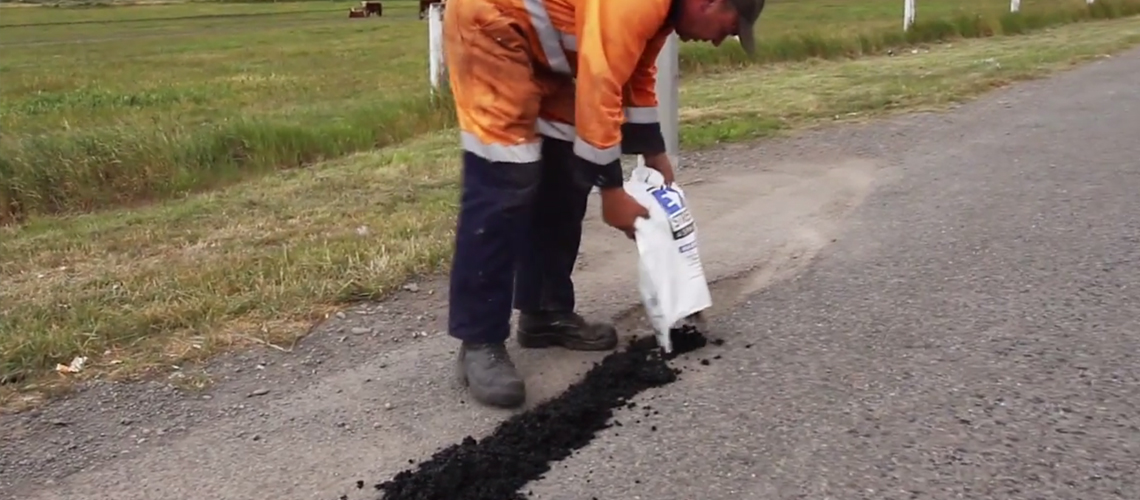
[
  {"x": 435, "y": 46},
  {"x": 908, "y": 14},
  {"x": 668, "y": 109},
  {"x": 1014, "y": 5}
]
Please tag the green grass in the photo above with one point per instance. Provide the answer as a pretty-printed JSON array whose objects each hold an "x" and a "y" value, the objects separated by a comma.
[
  {"x": 843, "y": 29},
  {"x": 257, "y": 261},
  {"x": 117, "y": 106},
  {"x": 129, "y": 108}
]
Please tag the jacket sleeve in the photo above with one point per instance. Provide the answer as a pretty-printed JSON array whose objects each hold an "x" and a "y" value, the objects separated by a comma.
[
  {"x": 612, "y": 40},
  {"x": 641, "y": 132}
]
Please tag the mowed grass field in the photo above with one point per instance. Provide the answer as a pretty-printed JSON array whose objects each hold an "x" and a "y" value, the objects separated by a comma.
[
  {"x": 119, "y": 104},
  {"x": 154, "y": 150}
]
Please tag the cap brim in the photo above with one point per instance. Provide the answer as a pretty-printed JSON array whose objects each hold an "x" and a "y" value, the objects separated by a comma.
[{"x": 747, "y": 39}]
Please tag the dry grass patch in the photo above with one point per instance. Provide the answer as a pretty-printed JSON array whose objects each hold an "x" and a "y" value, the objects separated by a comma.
[{"x": 258, "y": 261}]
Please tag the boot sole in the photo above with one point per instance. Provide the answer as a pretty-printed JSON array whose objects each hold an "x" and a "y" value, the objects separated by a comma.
[{"x": 545, "y": 340}]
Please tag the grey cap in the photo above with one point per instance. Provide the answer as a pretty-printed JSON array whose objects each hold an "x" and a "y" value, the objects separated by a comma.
[{"x": 749, "y": 11}]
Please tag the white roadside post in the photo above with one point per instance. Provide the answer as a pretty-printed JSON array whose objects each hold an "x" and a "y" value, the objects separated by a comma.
[
  {"x": 668, "y": 109},
  {"x": 908, "y": 14},
  {"x": 1014, "y": 5},
  {"x": 668, "y": 90},
  {"x": 435, "y": 45}
]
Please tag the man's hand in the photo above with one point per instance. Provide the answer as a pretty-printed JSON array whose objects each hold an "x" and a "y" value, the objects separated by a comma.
[
  {"x": 620, "y": 210},
  {"x": 660, "y": 162}
]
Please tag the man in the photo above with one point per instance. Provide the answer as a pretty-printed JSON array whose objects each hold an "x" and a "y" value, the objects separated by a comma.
[{"x": 549, "y": 94}]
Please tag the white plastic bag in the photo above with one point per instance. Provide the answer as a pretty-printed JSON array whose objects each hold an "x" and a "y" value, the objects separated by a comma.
[{"x": 671, "y": 279}]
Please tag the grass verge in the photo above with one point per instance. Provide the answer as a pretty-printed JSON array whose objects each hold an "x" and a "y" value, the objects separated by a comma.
[
  {"x": 204, "y": 118},
  {"x": 256, "y": 262},
  {"x": 967, "y": 20}
]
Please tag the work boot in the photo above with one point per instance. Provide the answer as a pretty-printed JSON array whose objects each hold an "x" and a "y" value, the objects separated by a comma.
[
  {"x": 490, "y": 375},
  {"x": 565, "y": 329}
]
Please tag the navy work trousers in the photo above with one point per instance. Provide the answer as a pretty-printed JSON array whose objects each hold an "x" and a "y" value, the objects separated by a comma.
[{"x": 519, "y": 229}]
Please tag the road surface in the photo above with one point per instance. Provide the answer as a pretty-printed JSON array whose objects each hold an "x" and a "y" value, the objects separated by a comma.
[{"x": 936, "y": 306}]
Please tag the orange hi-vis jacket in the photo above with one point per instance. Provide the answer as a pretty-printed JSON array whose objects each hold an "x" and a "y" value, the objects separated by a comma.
[{"x": 605, "y": 50}]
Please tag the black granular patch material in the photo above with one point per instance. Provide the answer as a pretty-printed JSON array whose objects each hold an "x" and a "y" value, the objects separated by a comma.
[
  {"x": 685, "y": 339},
  {"x": 522, "y": 448}
]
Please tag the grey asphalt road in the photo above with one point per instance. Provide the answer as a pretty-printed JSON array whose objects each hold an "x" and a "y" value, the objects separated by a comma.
[
  {"x": 974, "y": 333},
  {"x": 939, "y": 306}
]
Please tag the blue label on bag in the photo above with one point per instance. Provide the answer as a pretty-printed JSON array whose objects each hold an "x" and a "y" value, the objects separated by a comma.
[
  {"x": 680, "y": 220},
  {"x": 670, "y": 200}
]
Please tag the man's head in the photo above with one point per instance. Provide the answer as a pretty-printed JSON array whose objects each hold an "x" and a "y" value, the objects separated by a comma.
[{"x": 715, "y": 20}]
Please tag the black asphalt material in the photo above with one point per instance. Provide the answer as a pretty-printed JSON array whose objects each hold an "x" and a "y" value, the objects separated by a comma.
[{"x": 522, "y": 448}]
